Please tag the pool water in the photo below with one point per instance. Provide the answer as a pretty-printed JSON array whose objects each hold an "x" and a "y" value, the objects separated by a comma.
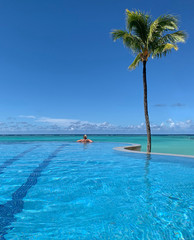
[{"x": 65, "y": 190}]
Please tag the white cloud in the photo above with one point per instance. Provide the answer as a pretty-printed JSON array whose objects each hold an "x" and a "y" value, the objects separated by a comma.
[
  {"x": 179, "y": 124},
  {"x": 58, "y": 121},
  {"x": 62, "y": 125},
  {"x": 74, "y": 124}
]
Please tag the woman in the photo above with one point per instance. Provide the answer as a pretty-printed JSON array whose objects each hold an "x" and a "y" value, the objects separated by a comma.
[{"x": 85, "y": 139}]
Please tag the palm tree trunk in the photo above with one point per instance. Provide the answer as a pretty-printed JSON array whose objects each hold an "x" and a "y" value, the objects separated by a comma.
[{"x": 146, "y": 108}]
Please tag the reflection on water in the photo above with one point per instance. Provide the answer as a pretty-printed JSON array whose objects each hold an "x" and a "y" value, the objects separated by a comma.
[{"x": 147, "y": 181}]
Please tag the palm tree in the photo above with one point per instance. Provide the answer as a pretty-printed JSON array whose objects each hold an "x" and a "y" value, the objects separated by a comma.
[{"x": 147, "y": 38}]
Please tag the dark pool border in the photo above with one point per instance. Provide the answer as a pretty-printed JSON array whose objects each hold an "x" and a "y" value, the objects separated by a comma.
[{"x": 136, "y": 148}]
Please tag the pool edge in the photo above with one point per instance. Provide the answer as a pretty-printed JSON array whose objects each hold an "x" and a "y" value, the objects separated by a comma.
[{"x": 136, "y": 148}]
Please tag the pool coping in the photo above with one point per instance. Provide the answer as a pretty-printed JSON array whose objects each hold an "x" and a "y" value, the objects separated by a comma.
[{"x": 136, "y": 148}]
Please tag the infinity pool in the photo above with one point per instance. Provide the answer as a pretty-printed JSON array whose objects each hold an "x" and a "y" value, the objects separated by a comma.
[{"x": 56, "y": 190}]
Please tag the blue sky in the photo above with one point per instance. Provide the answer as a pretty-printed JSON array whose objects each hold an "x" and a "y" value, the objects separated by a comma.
[{"x": 60, "y": 71}]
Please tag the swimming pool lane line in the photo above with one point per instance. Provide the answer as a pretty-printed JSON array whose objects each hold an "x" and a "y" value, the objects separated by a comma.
[
  {"x": 16, "y": 158},
  {"x": 15, "y": 206}
]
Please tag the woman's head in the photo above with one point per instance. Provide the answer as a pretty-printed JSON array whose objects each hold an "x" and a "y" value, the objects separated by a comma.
[{"x": 85, "y": 136}]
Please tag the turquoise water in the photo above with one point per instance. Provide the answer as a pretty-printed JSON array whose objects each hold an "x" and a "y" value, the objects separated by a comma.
[
  {"x": 177, "y": 144},
  {"x": 64, "y": 190}
]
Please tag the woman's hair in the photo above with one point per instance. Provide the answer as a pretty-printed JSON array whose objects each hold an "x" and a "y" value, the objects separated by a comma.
[{"x": 85, "y": 136}]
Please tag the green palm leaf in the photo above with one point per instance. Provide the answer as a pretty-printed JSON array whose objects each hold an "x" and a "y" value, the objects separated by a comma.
[
  {"x": 162, "y": 50},
  {"x": 132, "y": 42},
  {"x": 175, "y": 37},
  {"x": 116, "y": 34},
  {"x": 138, "y": 24},
  {"x": 136, "y": 62}
]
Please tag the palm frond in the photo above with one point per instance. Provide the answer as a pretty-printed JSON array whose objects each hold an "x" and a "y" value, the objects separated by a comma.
[
  {"x": 138, "y": 23},
  {"x": 116, "y": 34},
  {"x": 179, "y": 36},
  {"x": 167, "y": 22},
  {"x": 132, "y": 42},
  {"x": 161, "y": 25},
  {"x": 162, "y": 50},
  {"x": 153, "y": 28},
  {"x": 136, "y": 61},
  {"x": 170, "y": 46}
]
